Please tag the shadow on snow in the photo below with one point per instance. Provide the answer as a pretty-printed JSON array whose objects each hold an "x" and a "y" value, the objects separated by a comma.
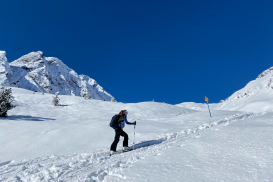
[
  {"x": 27, "y": 118},
  {"x": 148, "y": 143}
]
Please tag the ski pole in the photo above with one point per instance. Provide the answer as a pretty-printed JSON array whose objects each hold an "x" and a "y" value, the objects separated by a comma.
[{"x": 134, "y": 136}]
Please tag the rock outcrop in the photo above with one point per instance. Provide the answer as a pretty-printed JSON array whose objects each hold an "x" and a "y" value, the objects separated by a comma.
[{"x": 5, "y": 70}]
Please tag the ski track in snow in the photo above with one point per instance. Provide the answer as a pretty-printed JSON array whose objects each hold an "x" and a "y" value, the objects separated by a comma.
[{"x": 97, "y": 166}]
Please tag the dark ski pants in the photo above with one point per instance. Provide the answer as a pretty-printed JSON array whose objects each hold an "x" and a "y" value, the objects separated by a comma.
[{"x": 119, "y": 132}]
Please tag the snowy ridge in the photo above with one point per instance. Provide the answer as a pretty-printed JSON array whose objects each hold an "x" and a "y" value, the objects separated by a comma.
[
  {"x": 256, "y": 96},
  {"x": 38, "y": 73},
  {"x": 99, "y": 166}
]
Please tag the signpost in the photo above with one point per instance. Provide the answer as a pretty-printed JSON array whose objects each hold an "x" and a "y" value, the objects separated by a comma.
[{"x": 207, "y": 100}]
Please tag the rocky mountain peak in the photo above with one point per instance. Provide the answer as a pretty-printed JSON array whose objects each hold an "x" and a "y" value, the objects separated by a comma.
[{"x": 38, "y": 73}]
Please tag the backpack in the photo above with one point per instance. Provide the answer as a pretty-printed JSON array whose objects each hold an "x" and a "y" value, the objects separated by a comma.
[{"x": 114, "y": 121}]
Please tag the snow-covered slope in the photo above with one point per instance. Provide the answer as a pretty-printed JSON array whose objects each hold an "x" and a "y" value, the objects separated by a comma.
[
  {"x": 70, "y": 142},
  {"x": 256, "y": 96},
  {"x": 38, "y": 73},
  {"x": 4, "y": 69},
  {"x": 237, "y": 149},
  {"x": 38, "y": 128}
]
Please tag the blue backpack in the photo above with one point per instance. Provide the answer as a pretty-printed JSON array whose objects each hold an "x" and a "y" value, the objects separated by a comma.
[{"x": 114, "y": 121}]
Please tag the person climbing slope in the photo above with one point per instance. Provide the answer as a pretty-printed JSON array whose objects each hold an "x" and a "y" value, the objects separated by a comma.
[{"x": 117, "y": 123}]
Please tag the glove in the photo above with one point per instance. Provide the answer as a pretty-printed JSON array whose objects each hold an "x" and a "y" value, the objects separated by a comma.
[{"x": 135, "y": 123}]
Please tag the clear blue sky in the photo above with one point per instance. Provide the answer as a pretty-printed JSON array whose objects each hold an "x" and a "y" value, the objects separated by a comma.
[{"x": 168, "y": 50}]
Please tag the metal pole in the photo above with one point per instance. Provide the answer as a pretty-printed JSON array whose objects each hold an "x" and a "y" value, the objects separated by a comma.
[
  {"x": 209, "y": 110},
  {"x": 134, "y": 136}
]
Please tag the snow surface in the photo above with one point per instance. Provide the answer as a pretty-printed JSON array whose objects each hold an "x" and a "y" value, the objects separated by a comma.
[
  {"x": 38, "y": 73},
  {"x": 241, "y": 151},
  {"x": 40, "y": 142},
  {"x": 198, "y": 106}
]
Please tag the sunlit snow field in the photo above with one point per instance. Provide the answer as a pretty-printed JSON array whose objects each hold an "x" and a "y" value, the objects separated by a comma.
[{"x": 70, "y": 142}]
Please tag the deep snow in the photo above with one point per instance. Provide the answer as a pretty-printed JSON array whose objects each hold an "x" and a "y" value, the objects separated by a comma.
[
  {"x": 240, "y": 151},
  {"x": 40, "y": 142},
  {"x": 38, "y": 128}
]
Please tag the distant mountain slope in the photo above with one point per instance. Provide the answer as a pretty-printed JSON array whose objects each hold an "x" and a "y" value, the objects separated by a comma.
[
  {"x": 257, "y": 95},
  {"x": 38, "y": 73}
]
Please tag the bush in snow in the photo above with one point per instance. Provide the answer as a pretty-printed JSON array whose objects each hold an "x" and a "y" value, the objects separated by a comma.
[
  {"x": 103, "y": 99},
  {"x": 6, "y": 100},
  {"x": 56, "y": 100},
  {"x": 87, "y": 96},
  {"x": 43, "y": 93},
  {"x": 113, "y": 99}
]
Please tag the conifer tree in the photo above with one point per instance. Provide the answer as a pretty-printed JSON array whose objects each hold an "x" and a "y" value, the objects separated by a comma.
[
  {"x": 113, "y": 99},
  {"x": 6, "y": 101},
  {"x": 56, "y": 99}
]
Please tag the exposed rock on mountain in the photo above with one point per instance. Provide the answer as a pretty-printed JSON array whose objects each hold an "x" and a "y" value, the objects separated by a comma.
[
  {"x": 4, "y": 69},
  {"x": 36, "y": 72}
]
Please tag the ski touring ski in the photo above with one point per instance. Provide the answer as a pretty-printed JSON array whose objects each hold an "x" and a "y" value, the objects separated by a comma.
[{"x": 137, "y": 146}]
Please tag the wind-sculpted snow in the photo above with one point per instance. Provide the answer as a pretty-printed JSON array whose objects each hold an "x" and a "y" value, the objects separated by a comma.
[
  {"x": 4, "y": 69},
  {"x": 256, "y": 96},
  {"x": 38, "y": 73},
  {"x": 99, "y": 166}
]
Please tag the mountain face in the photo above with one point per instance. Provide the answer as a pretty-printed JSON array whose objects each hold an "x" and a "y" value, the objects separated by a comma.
[
  {"x": 4, "y": 69},
  {"x": 38, "y": 73},
  {"x": 257, "y": 95}
]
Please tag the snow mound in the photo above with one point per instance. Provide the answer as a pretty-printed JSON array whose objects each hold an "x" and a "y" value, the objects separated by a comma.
[
  {"x": 256, "y": 96},
  {"x": 38, "y": 73}
]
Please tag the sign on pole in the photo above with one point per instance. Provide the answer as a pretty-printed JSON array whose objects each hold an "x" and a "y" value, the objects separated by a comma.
[{"x": 206, "y": 99}]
